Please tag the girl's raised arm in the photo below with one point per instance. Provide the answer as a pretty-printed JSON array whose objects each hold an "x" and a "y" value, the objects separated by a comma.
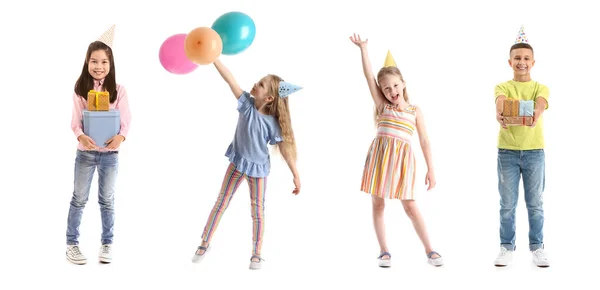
[
  {"x": 378, "y": 97},
  {"x": 228, "y": 77}
]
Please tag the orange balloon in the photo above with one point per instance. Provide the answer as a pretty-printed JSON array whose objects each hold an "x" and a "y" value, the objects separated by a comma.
[{"x": 203, "y": 45}]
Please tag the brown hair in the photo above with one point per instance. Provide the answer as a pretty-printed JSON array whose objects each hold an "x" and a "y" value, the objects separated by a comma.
[
  {"x": 85, "y": 83},
  {"x": 521, "y": 45},
  {"x": 279, "y": 108},
  {"x": 389, "y": 70}
]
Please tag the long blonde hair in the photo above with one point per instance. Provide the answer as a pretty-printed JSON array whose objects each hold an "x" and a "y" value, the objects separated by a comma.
[
  {"x": 279, "y": 108},
  {"x": 390, "y": 70}
]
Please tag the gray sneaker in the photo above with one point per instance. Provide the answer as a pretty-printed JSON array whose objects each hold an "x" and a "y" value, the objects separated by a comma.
[
  {"x": 105, "y": 255},
  {"x": 75, "y": 256}
]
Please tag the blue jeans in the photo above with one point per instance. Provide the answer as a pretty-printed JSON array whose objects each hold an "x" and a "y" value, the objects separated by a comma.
[
  {"x": 530, "y": 164},
  {"x": 86, "y": 163}
]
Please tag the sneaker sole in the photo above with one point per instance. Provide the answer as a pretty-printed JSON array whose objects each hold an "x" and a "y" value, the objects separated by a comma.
[
  {"x": 105, "y": 260},
  {"x": 77, "y": 262},
  {"x": 385, "y": 264}
]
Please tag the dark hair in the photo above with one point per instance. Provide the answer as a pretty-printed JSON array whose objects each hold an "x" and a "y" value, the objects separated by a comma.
[
  {"x": 85, "y": 83},
  {"x": 521, "y": 45}
]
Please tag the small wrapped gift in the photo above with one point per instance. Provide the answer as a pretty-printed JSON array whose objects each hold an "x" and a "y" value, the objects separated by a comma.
[
  {"x": 526, "y": 108},
  {"x": 98, "y": 101},
  {"x": 510, "y": 108},
  {"x": 518, "y": 121}
]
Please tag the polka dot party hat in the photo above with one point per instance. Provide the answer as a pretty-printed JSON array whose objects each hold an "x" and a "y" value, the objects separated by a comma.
[
  {"x": 389, "y": 60},
  {"x": 286, "y": 89},
  {"x": 521, "y": 38},
  {"x": 108, "y": 36}
]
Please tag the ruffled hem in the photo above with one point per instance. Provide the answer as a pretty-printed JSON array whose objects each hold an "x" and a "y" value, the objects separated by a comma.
[{"x": 246, "y": 166}]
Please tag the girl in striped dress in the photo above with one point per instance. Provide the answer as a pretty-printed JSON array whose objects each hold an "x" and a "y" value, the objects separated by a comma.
[{"x": 389, "y": 171}]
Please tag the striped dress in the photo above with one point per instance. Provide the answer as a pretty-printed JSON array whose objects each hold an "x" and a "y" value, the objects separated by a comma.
[{"x": 390, "y": 166}]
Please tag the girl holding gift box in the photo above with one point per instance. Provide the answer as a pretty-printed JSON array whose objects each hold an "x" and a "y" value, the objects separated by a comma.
[
  {"x": 263, "y": 119},
  {"x": 390, "y": 165},
  {"x": 98, "y": 74}
]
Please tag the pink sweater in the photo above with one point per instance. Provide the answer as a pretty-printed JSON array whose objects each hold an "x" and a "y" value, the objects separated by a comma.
[{"x": 121, "y": 104}]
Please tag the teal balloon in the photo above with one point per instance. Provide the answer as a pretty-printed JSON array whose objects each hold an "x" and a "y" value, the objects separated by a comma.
[{"x": 237, "y": 31}]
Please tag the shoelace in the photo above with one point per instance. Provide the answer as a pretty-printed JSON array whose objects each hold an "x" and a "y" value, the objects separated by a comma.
[
  {"x": 76, "y": 251},
  {"x": 105, "y": 249},
  {"x": 540, "y": 255},
  {"x": 503, "y": 251}
]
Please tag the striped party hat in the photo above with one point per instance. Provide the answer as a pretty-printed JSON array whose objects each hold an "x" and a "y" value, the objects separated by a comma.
[{"x": 108, "y": 36}]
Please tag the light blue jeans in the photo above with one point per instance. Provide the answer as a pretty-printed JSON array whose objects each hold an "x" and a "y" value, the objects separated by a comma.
[
  {"x": 512, "y": 165},
  {"x": 86, "y": 163}
]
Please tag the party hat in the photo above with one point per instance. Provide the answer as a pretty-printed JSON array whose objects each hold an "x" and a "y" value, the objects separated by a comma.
[
  {"x": 286, "y": 89},
  {"x": 108, "y": 36},
  {"x": 389, "y": 60},
  {"x": 521, "y": 38}
]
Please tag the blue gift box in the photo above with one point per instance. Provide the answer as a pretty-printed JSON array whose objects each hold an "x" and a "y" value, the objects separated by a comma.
[
  {"x": 101, "y": 125},
  {"x": 526, "y": 108}
]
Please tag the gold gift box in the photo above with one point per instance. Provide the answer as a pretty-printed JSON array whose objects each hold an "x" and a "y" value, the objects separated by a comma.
[
  {"x": 510, "y": 108},
  {"x": 98, "y": 101},
  {"x": 518, "y": 121}
]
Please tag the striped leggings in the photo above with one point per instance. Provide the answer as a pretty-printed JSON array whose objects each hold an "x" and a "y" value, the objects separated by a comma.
[{"x": 231, "y": 182}]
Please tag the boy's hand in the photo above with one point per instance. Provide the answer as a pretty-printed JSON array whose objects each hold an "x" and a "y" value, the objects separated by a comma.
[
  {"x": 536, "y": 115},
  {"x": 500, "y": 120}
]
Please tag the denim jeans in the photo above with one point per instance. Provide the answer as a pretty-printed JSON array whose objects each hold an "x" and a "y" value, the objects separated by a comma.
[
  {"x": 512, "y": 165},
  {"x": 86, "y": 163}
]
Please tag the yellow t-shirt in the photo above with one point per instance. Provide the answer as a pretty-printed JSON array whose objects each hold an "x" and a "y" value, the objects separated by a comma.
[{"x": 522, "y": 137}]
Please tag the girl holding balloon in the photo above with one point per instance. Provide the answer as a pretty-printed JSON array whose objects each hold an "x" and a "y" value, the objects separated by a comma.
[{"x": 264, "y": 119}]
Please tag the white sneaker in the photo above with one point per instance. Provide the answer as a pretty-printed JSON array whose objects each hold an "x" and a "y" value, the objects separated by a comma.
[
  {"x": 198, "y": 257},
  {"x": 540, "y": 258},
  {"x": 255, "y": 265},
  {"x": 439, "y": 261},
  {"x": 75, "y": 256},
  {"x": 105, "y": 255},
  {"x": 504, "y": 258},
  {"x": 385, "y": 263}
]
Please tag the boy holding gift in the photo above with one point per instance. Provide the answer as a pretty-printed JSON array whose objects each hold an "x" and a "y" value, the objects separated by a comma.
[{"x": 521, "y": 154}]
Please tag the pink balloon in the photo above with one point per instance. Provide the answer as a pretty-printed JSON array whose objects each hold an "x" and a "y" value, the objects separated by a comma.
[{"x": 172, "y": 55}]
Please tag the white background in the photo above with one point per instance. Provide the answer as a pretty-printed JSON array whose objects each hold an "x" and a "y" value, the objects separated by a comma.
[{"x": 452, "y": 54}]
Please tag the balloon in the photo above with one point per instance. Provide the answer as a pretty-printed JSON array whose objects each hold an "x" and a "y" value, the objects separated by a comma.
[
  {"x": 172, "y": 55},
  {"x": 237, "y": 30},
  {"x": 203, "y": 45}
]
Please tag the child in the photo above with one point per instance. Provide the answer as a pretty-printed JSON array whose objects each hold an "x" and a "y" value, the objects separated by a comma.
[
  {"x": 390, "y": 165},
  {"x": 521, "y": 153},
  {"x": 263, "y": 119},
  {"x": 98, "y": 74}
]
